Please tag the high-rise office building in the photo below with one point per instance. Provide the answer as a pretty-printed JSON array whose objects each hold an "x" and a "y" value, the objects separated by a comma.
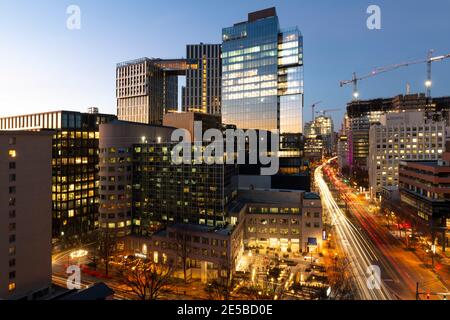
[
  {"x": 262, "y": 81},
  {"x": 165, "y": 193},
  {"x": 399, "y": 137},
  {"x": 140, "y": 91},
  {"x": 342, "y": 147},
  {"x": 146, "y": 88},
  {"x": 26, "y": 214},
  {"x": 141, "y": 188},
  {"x": 363, "y": 113},
  {"x": 75, "y": 162},
  {"x": 116, "y": 170},
  {"x": 325, "y": 127},
  {"x": 203, "y": 84},
  {"x": 319, "y": 135},
  {"x": 262, "y": 74}
]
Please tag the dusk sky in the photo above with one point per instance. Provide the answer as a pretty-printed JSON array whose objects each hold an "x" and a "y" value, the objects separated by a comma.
[{"x": 44, "y": 66}]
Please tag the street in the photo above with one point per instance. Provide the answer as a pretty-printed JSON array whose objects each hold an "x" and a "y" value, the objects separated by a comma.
[
  {"x": 401, "y": 269},
  {"x": 354, "y": 246}
]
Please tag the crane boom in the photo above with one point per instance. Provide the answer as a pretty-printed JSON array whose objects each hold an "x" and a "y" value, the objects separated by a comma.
[
  {"x": 429, "y": 60},
  {"x": 324, "y": 112}
]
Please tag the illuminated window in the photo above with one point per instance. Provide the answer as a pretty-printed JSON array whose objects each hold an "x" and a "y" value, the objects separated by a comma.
[
  {"x": 12, "y": 153},
  {"x": 12, "y": 286}
]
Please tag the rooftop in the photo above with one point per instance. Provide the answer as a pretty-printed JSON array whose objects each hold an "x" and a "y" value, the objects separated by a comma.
[
  {"x": 311, "y": 196},
  {"x": 98, "y": 291}
]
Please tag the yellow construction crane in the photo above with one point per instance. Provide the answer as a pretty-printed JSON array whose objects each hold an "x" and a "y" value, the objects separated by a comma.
[{"x": 428, "y": 83}]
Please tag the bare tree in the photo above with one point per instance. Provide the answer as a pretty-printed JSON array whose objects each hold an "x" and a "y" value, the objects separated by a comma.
[
  {"x": 257, "y": 292},
  {"x": 146, "y": 279},
  {"x": 341, "y": 279},
  {"x": 223, "y": 287},
  {"x": 105, "y": 247},
  {"x": 183, "y": 249}
]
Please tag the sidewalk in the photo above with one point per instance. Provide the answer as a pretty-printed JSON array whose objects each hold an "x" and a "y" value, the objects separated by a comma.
[{"x": 441, "y": 263}]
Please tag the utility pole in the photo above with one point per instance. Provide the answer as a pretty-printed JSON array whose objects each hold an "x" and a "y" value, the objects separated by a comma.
[{"x": 417, "y": 291}]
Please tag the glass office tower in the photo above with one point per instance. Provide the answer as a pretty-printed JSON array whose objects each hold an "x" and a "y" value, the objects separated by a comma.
[
  {"x": 262, "y": 81},
  {"x": 75, "y": 162}
]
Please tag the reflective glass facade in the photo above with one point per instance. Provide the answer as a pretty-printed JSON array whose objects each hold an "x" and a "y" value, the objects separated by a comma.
[
  {"x": 262, "y": 76},
  {"x": 262, "y": 82},
  {"x": 164, "y": 193},
  {"x": 249, "y": 75}
]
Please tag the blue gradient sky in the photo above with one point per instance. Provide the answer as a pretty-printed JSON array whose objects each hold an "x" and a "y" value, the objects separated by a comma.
[{"x": 44, "y": 66}]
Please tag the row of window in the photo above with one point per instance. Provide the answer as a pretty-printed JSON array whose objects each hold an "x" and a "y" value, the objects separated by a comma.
[{"x": 12, "y": 215}]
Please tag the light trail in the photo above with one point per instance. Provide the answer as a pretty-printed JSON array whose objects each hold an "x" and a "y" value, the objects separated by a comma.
[{"x": 357, "y": 249}]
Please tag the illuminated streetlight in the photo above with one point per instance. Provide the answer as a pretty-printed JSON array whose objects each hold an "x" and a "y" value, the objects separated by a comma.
[{"x": 428, "y": 83}]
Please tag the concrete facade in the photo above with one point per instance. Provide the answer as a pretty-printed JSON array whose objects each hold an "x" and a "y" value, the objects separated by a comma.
[{"x": 26, "y": 214}]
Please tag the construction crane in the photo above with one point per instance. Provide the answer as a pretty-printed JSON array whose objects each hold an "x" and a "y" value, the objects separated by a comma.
[
  {"x": 430, "y": 60},
  {"x": 324, "y": 112},
  {"x": 313, "y": 107},
  {"x": 428, "y": 83}
]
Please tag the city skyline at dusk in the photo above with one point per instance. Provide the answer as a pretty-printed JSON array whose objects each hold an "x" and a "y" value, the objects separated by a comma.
[
  {"x": 258, "y": 153},
  {"x": 74, "y": 69}
]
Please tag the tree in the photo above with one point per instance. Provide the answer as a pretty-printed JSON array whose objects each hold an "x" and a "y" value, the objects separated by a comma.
[
  {"x": 341, "y": 279},
  {"x": 183, "y": 249},
  {"x": 105, "y": 247},
  {"x": 222, "y": 288},
  {"x": 146, "y": 279},
  {"x": 258, "y": 292}
]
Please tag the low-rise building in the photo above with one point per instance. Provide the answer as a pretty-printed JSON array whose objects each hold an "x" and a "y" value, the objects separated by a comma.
[
  {"x": 425, "y": 188},
  {"x": 280, "y": 220}
]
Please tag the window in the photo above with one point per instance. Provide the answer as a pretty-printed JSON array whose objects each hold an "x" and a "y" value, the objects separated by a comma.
[
  {"x": 12, "y": 238},
  {"x": 12, "y": 153},
  {"x": 12, "y": 140},
  {"x": 12, "y": 190},
  {"x": 12, "y": 262},
  {"x": 12, "y": 165},
  {"x": 12, "y": 177},
  {"x": 12, "y": 275},
  {"x": 12, "y": 286}
]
